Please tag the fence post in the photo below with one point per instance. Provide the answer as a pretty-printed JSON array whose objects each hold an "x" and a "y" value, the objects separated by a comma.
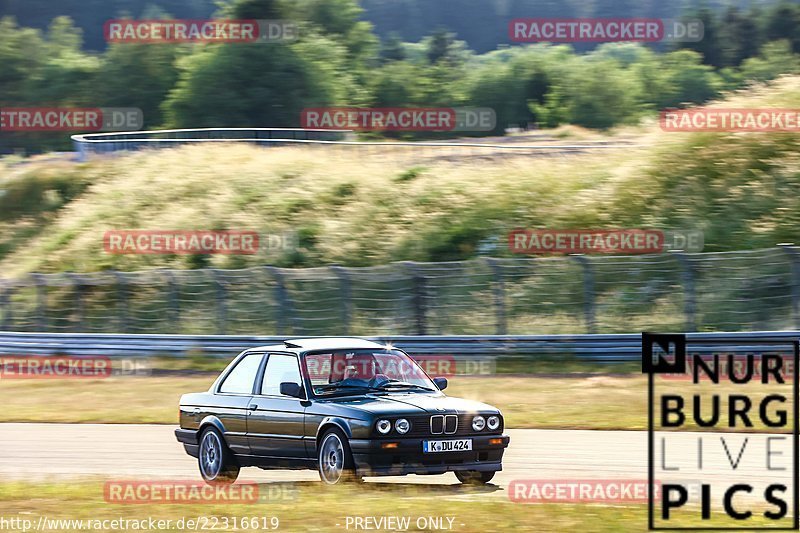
[
  {"x": 347, "y": 299},
  {"x": 77, "y": 284},
  {"x": 122, "y": 301},
  {"x": 690, "y": 295},
  {"x": 174, "y": 304},
  {"x": 221, "y": 298},
  {"x": 418, "y": 295},
  {"x": 499, "y": 295},
  {"x": 795, "y": 264},
  {"x": 284, "y": 302},
  {"x": 41, "y": 301},
  {"x": 5, "y": 302},
  {"x": 588, "y": 293}
]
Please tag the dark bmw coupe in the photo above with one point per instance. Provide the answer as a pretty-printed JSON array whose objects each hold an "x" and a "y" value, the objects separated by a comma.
[{"x": 347, "y": 407}]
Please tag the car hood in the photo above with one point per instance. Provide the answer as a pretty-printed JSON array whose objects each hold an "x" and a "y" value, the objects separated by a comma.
[{"x": 414, "y": 403}]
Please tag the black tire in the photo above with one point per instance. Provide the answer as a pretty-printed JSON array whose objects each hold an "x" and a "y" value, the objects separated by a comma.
[
  {"x": 335, "y": 459},
  {"x": 217, "y": 464},
  {"x": 474, "y": 477}
]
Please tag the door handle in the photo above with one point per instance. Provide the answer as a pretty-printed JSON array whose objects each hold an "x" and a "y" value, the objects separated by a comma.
[{"x": 253, "y": 407}]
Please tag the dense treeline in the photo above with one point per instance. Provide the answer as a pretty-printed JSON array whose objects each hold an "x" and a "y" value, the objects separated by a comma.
[
  {"x": 736, "y": 24},
  {"x": 339, "y": 60}
]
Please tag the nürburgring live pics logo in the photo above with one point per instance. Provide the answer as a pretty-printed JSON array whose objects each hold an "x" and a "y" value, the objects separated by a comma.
[{"x": 729, "y": 426}]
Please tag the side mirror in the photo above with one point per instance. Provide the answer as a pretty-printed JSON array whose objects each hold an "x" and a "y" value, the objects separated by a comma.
[
  {"x": 441, "y": 383},
  {"x": 291, "y": 389}
]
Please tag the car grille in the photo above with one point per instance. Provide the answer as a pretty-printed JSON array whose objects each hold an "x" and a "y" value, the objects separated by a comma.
[{"x": 444, "y": 425}]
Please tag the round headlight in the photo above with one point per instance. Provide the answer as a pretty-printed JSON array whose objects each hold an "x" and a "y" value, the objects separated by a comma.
[
  {"x": 478, "y": 423},
  {"x": 493, "y": 422},
  {"x": 402, "y": 426},
  {"x": 383, "y": 426}
]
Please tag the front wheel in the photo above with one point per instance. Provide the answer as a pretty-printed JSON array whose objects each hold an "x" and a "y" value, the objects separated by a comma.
[
  {"x": 473, "y": 477},
  {"x": 335, "y": 459},
  {"x": 217, "y": 464}
]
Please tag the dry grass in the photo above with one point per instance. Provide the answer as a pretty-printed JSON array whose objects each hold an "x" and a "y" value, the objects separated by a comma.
[
  {"x": 350, "y": 202},
  {"x": 313, "y": 508},
  {"x": 595, "y": 402}
]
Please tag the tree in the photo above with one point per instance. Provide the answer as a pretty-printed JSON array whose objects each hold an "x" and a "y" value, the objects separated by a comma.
[
  {"x": 265, "y": 85},
  {"x": 739, "y": 36},
  {"x": 66, "y": 75},
  {"x": 22, "y": 53},
  {"x": 393, "y": 49},
  {"x": 709, "y": 47},
  {"x": 783, "y": 23},
  {"x": 139, "y": 75},
  {"x": 442, "y": 47}
]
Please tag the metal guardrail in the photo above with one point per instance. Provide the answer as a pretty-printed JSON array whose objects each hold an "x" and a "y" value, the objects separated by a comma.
[
  {"x": 597, "y": 348},
  {"x": 104, "y": 143}
]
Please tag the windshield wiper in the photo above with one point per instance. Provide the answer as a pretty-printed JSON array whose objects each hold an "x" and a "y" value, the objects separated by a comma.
[
  {"x": 339, "y": 386},
  {"x": 405, "y": 384}
]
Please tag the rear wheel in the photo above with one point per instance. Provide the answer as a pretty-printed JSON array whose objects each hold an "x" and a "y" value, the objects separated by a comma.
[
  {"x": 335, "y": 460},
  {"x": 474, "y": 477},
  {"x": 217, "y": 464}
]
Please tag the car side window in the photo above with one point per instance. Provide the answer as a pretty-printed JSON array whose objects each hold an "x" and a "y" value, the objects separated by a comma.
[
  {"x": 280, "y": 369},
  {"x": 241, "y": 378}
]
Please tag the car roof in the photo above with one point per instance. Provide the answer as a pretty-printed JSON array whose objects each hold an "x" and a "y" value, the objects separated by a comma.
[{"x": 320, "y": 343}]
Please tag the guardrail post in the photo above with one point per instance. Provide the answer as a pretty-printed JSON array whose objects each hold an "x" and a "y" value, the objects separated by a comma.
[
  {"x": 689, "y": 293},
  {"x": 122, "y": 301},
  {"x": 795, "y": 266},
  {"x": 285, "y": 322},
  {"x": 499, "y": 295},
  {"x": 588, "y": 293},
  {"x": 418, "y": 295},
  {"x": 174, "y": 304},
  {"x": 78, "y": 287},
  {"x": 221, "y": 301},
  {"x": 347, "y": 300},
  {"x": 41, "y": 301}
]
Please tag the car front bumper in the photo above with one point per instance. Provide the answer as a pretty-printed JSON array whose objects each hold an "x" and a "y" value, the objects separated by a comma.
[{"x": 372, "y": 458}]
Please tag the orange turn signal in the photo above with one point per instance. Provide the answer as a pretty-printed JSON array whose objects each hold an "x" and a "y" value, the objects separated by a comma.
[
  {"x": 389, "y": 445},
  {"x": 495, "y": 441}
]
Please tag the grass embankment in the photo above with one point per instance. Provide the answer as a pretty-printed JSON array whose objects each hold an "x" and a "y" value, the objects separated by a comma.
[
  {"x": 594, "y": 402},
  {"x": 358, "y": 207}
]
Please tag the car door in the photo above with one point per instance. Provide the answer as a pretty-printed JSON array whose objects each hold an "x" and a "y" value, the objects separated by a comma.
[
  {"x": 233, "y": 397},
  {"x": 275, "y": 422}
]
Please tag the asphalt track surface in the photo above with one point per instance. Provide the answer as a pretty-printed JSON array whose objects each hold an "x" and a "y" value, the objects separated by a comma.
[{"x": 64, "y": 451}]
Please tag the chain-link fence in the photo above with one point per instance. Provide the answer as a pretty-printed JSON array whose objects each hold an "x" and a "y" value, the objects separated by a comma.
[{"x": 752, "y": 290}]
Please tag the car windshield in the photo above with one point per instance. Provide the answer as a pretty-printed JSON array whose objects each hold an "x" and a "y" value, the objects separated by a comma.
[{"x": 351, "y": 371}]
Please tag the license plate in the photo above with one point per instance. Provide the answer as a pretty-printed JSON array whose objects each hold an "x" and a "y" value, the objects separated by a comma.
[{"x": 456, "y": 445}]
